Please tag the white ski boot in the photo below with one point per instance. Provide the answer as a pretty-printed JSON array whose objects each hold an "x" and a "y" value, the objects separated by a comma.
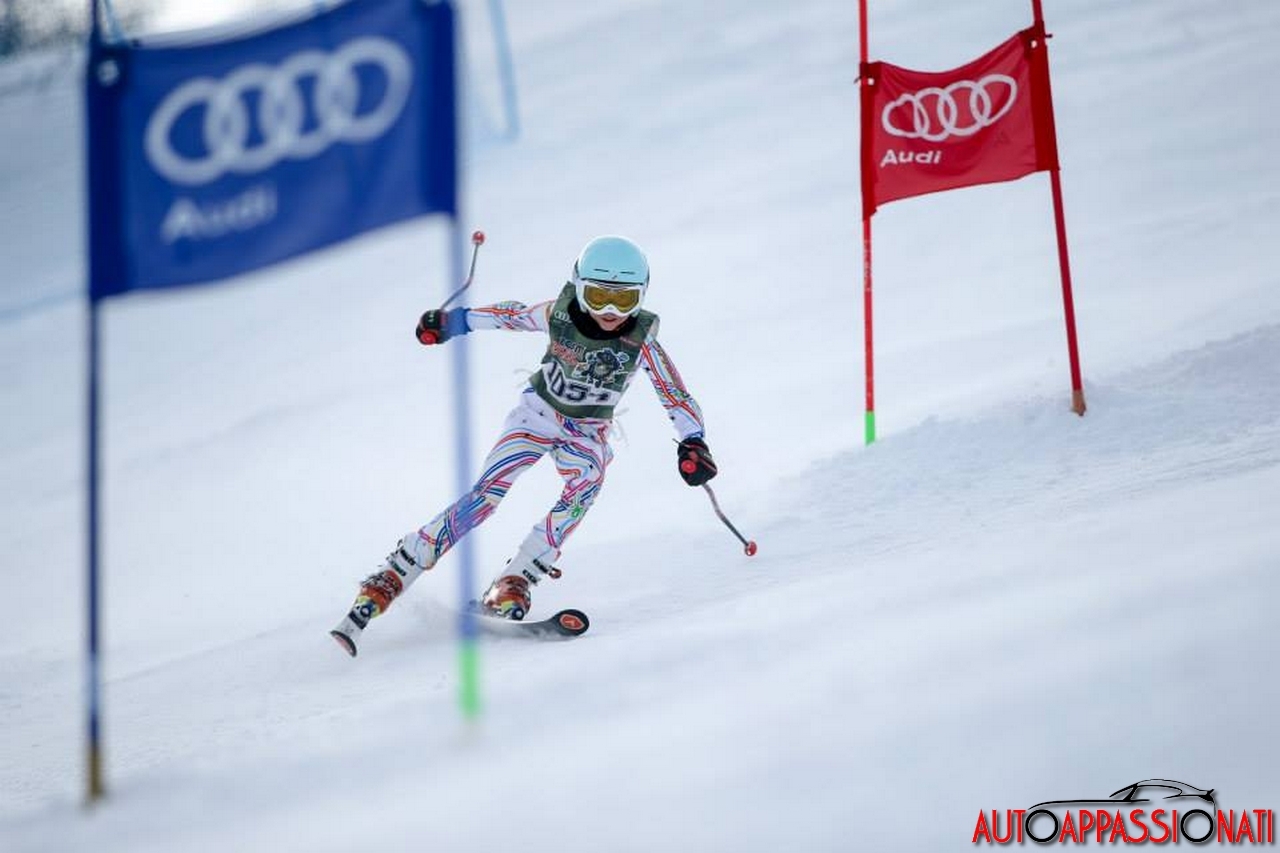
[{"x": 401, "y": 568}]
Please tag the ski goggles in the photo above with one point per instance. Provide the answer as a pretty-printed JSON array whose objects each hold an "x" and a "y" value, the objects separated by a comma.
[{"x": 600, "y": 297}]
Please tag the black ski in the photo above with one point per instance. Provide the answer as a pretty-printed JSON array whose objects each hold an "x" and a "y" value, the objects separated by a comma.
[{"x": 564, "y": 625}]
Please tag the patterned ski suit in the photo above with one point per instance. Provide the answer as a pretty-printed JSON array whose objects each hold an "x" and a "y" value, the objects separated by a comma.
[{"x": 566, "y": 412}]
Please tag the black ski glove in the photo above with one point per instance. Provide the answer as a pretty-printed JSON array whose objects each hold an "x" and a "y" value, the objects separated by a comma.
[
  {"x": 436, "y": 326},
  {"x": 696, "y": 464}
]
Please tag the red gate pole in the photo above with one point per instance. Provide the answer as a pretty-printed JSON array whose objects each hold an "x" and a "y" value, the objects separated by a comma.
[
  {"x": 868, "y": 207},
  {"x": 1059, "y": 217},
  {"x": 866, "y": 311}
]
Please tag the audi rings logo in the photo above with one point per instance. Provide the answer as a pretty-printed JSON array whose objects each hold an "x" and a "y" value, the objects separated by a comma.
[
  {"x": 229, "y": 143},
  {"x": 961, "y": 109}
]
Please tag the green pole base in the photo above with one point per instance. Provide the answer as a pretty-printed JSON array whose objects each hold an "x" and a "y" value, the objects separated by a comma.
[
  {"x": 469, "y": 678},
  {"x": 871, "y": 427}
]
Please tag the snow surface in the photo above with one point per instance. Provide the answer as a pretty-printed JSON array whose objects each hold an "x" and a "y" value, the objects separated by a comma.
[{"x": 996, "y": 604}]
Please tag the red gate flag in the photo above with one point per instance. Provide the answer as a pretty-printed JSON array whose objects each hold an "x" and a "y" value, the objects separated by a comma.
[{"x": 988, "y": 121}]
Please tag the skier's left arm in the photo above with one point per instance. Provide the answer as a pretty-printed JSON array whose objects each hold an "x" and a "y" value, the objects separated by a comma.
[
  {"x": 693, "y": 456},
  {"x": 437, "y": 326}
]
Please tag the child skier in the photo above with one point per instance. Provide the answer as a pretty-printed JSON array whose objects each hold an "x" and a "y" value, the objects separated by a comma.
[{"x": 598, "y": 335}]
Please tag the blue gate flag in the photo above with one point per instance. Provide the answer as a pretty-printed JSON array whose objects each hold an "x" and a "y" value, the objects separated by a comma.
[{"x": 208, "y": 160}]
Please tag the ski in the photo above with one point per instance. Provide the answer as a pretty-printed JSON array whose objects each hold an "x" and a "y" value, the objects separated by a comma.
[{"x": 564, "y": 625}]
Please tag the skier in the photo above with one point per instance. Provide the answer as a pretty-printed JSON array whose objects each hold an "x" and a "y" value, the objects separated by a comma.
[{"x": 599, "y": 335}]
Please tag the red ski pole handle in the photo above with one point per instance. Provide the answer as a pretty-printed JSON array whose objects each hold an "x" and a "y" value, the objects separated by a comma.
[{"x": 688, "y": 466}]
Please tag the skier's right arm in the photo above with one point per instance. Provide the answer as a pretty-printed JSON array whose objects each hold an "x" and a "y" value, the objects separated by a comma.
[{"x": 436, "y": 327}]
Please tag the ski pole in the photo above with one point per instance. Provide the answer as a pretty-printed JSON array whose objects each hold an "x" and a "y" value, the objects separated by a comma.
[
  {"x": 748, "y": 545},
  {"x": 477, "y": 240}
]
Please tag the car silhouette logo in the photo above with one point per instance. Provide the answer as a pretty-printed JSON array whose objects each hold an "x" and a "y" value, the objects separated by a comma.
[{"x": 1182, "y": 802}]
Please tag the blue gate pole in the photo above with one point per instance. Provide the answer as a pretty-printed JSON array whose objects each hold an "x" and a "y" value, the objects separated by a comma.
[
  {"x": 506, "y": 67},
  {"x": 93, "y": 676},
  {"x": 95, "y": 788},
  {"x": 113, "y": 23},
  {"x": 468, "y": 639}
]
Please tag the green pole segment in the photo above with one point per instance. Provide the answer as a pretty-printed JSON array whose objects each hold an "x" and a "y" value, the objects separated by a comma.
[
  {"x": 469, "y": 672},
  {"x": 871, "y": 427}
]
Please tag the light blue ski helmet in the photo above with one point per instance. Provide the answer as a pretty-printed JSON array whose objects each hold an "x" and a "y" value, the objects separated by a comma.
[{"x": 614, "y": 262}]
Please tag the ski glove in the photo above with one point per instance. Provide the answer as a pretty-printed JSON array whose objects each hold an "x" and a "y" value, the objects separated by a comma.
[
  {"x": 696, "y": 464},
  {"x": 438, "y": 326}
]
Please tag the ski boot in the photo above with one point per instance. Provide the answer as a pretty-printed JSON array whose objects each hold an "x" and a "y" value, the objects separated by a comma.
[
  {"x": 401, "y": 568},
  {"x": 509, "y": 597}
]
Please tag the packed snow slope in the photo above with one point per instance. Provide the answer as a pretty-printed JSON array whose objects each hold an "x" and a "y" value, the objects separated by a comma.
[{"x": 996, "y": 604}]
